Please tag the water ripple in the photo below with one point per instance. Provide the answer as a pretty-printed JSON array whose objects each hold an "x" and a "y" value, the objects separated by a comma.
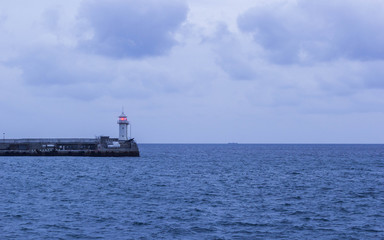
[{"x": 198, "y": 192}]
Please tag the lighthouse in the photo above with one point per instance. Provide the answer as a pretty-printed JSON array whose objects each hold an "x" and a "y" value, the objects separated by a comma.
[{"x": 123, "y": 127}]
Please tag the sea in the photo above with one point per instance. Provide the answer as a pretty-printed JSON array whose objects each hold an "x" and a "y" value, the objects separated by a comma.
[{"x": 198, "y": 191}]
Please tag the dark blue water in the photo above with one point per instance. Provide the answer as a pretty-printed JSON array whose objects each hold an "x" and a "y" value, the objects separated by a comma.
[{"x": 198, "y": 192}]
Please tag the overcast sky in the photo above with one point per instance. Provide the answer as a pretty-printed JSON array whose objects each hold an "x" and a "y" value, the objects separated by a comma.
[{"x": 197, "y": 71}]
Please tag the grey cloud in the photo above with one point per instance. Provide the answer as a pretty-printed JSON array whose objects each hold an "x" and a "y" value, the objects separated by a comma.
[
  {"x": 51, "y": 18},
  {"x": 48, "y": 66},
  {"x": 3, "y": 18},
  {"x": 347, "y": 78},
  {"x": 60, "y": 72},
  {"x": 310, "y": 31},
  {"x": 236, "y": 67},
  {"x": 133, "y": 29},
  {"x": 64, "y": 73},
  {"x": 230, "y": 53},
  {"x": 373, "y": 75}
]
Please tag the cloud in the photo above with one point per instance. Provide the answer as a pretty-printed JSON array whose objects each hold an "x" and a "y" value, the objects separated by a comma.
[
  {"x": 232, "y": 53},
  {"x": 51, "y": 18},
  {"x": 131, "y": 29},
  {"x": 56, "y": 62},
  {"x": 3, "y": 18},
  {"x": 59, "y": 66},
  {"x": 310, "y": 31},
  {"x": 373, "y": 75},
  {"x": 61, "y": 72},
  {"x": 73, "y": 61}
]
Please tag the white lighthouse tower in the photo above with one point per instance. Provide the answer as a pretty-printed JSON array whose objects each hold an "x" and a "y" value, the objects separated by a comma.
[{"x": 123, "y": 127}]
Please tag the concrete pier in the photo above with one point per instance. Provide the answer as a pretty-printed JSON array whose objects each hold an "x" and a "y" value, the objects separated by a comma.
[{"x": 99, "y": 147}]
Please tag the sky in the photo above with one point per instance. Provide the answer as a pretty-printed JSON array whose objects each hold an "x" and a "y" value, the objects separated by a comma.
[{"x": 194, "y": 71}]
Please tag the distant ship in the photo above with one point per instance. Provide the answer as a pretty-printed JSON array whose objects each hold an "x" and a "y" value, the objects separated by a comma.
[{"x": 102, "y": 146}]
